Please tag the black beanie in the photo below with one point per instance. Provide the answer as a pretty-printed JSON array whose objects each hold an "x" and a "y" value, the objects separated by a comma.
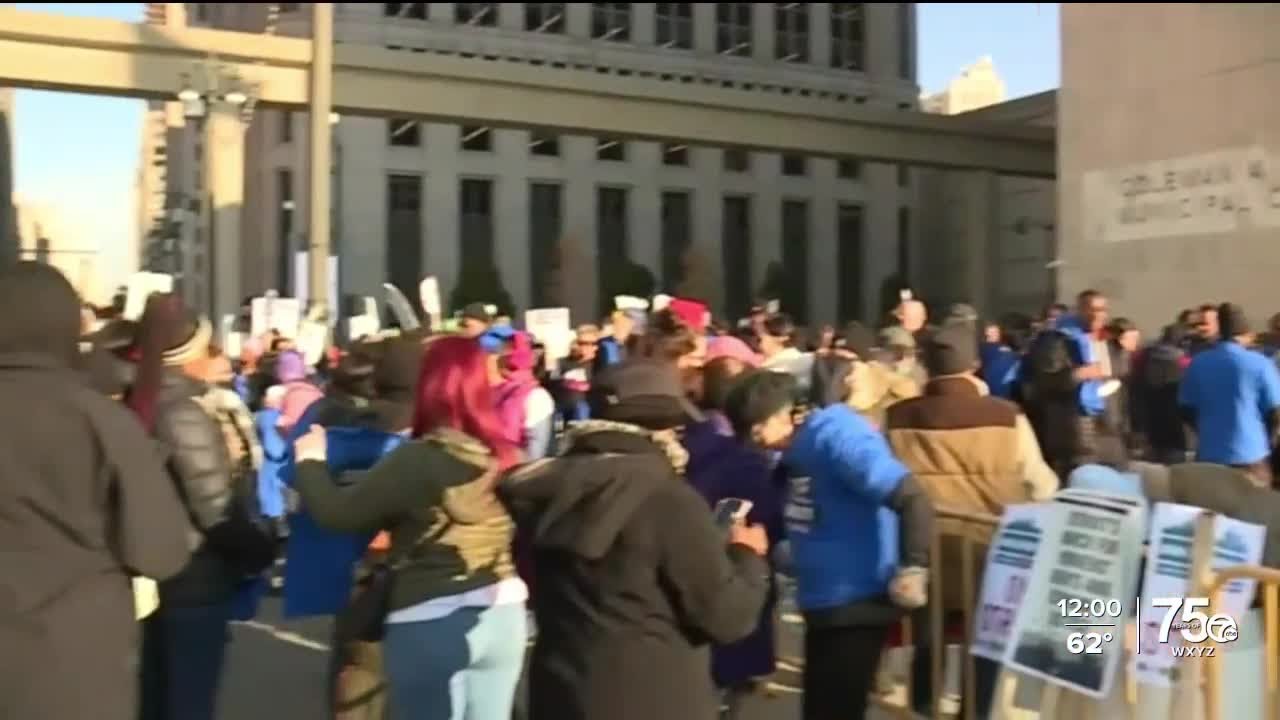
[
  {"x": 951, "y": 351},
  {"x": 756, "y": 397}
]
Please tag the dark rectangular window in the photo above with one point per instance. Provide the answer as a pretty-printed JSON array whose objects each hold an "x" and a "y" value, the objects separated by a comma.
[
  {"x": 478, "y": 14},
  {"x": 735, "y": 255},
  {"x": 611, "y": 149},
  {"x": 675, "y": 25},
  {"x": 906, "y": 42},
  {"x": 545, "y": 225},
  {"x": 675, "y": 154},
  {"x": 737, "y": 160},
  {"x": 404, "y": 133},
  {"x": 734, "y": 29},
  {"x": 476, "y": 138},
  {"x": 904, "y": 245},
  {"x": 284, "y": 228},
  {"x": 612, "y": 241},
  {"x": 475, "y": 223},
  {"x": 611, "y": 21},
  {"x": 286, "y": 126},
  {"x": 795, "y": 259},
  {"x": 288, "y": 7},
  {"x": 202, "y": 12},
  {"x": 545, "y": 144},
  {"x": 791, "y": 32},
  {"x": 848, "y": 168},
  {"x": 848, "y": 36},
  {"x": 904, "y": 175},
  {"x": 415, "y": 11},
  {"x": 794, "y": 166},
  {"x": 404, "y": 233},
  {"x": 849, "y": 261},
  {"x": 677, "y": 219},
  {"x": 544, "y": 17}
]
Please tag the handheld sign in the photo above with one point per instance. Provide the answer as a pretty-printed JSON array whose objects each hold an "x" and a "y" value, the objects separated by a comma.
[
  {"x": 1009, "y": 562},
  {"x": 429, "y": 296},
  {"x": 139, "y": 287}
]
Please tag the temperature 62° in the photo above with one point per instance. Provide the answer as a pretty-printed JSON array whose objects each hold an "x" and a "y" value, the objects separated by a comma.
[{"x": 1089, "y": 643}]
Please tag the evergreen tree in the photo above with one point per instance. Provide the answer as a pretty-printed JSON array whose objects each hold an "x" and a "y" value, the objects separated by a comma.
[
  {"x": 479, "y": 281},
  {"x": 697, "y": 281},
  {"x": 775, "y": 282}
]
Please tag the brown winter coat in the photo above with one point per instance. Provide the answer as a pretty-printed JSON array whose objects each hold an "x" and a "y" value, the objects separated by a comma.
[
  {"x": 972, "y": 453},
  {"x": 84, "y": 503}
]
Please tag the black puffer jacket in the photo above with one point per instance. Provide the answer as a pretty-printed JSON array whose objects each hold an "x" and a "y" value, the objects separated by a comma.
[{"x": 200, "y": 466}]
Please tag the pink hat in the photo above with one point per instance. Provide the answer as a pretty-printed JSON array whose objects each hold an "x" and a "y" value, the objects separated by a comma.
[
  {"x": 690, "y": 312},
  {"x": 729, "y": 346}
]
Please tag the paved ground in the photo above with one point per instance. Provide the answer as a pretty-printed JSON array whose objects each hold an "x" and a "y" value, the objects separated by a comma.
[{"x": 275, "y": 671}]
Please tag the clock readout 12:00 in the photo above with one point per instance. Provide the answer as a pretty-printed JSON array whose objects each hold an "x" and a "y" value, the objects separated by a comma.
[{"x": 1097, "y": 608}]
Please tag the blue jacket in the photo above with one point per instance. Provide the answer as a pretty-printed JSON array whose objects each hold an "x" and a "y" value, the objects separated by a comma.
[
  {"x": 1001, "y": 367},
  {"x": 320, "y": 563},
  {"x": 275, "y": 451},
  {"x": 844, "y": 541}
]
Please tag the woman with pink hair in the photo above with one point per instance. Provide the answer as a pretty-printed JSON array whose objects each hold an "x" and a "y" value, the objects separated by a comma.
[{"x": 456, "y": 627}]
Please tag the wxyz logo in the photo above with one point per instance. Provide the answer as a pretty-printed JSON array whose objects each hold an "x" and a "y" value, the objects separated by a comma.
[{"x": 1193, "y": 651}]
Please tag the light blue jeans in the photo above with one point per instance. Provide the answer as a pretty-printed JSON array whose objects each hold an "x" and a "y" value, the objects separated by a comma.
[{"x": 463, "y": 666}]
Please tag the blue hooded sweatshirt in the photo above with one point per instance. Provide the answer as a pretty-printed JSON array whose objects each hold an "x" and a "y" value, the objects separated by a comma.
[
  {"x": 320, "y": 563},
  {"x": 844, "y": 540}
]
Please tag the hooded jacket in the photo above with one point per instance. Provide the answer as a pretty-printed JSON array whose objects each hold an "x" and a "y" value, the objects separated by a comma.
[
  {"x": 634, "y": 580},
  {"x": 84, "y": 504},
  {"x": 434, "y": 496},
  {"x": 848, "y": 497}
]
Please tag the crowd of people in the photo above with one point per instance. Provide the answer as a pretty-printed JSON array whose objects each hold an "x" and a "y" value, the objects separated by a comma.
[{"x": 473, "y": 496}]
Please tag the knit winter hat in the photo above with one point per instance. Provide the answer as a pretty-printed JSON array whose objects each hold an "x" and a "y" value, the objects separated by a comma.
[{"x": 951, "y": 351}]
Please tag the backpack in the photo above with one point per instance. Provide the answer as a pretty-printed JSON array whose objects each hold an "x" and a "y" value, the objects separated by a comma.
[{"x": 1049, "y": 355}]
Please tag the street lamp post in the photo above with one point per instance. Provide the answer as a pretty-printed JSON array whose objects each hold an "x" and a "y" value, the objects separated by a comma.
[
  {"x": 218, "y": 107},
  {"x": 321, "y": 137}
]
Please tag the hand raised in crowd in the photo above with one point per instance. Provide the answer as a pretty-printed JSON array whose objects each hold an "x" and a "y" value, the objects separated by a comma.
[
  {"x": 751, "y": 536},
  {"x": 311, "y": 446}
]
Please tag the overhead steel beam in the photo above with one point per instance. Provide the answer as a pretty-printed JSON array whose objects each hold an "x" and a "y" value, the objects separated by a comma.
[{"x": 109, "y": 57}]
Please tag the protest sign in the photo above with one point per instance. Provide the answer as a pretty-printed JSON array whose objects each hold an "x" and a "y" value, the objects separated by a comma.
[
  {"x": 1082, "y": 588},
  {"x": 139, "y": 287},
  {"x": 551, "y": 327},
  {"x": 1168, "y": 575},
  {"x": 271, "y": 312},
  {"x": 429, "y": 296},
  {"x": 1008, "y": 573}
]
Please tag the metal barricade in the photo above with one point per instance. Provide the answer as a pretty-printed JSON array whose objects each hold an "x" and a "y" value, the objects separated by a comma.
[
  {"x": 1268, "y": 580},
  {"x": 959, "y": 539}
]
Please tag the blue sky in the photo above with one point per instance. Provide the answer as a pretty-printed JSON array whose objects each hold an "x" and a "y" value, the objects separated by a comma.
[{"x": 79, "y": 153}]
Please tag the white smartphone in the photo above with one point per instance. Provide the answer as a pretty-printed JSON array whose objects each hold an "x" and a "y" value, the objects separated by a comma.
[{"x": 732, "y": 510}]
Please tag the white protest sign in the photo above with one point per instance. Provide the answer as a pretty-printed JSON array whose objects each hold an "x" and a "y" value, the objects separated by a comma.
[
  {"x": 283, "y": 315},
  {"x": 1008, "y": 573},
  {"x": 302, "y": 282},
  {"x": 551, "y": 327},
  {"x": 1168, "y": 576},
  {"x": 359, "y": 326},
  {"x": 139, "y": 287},
  {"x": 232, "y": 341},
  {"x": 429, "y": 296},
  {"x": 1070, "y": 627}
]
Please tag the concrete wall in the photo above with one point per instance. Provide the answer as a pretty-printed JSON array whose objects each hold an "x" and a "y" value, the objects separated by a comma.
[
  {"x": 1169, "y": 128},
  {"x": 363, "y": 159}
]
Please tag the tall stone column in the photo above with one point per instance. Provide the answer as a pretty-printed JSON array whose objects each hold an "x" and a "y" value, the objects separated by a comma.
[{"x": 224, "y": 180}]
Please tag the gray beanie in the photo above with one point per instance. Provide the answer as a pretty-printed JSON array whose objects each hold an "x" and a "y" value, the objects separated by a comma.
[{"x": 951, "y": 351}]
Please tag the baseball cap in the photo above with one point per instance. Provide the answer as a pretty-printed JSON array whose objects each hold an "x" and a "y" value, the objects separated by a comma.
[
  {"x": 476, "y": 311},
  {"x": 495, "y": 338}
]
